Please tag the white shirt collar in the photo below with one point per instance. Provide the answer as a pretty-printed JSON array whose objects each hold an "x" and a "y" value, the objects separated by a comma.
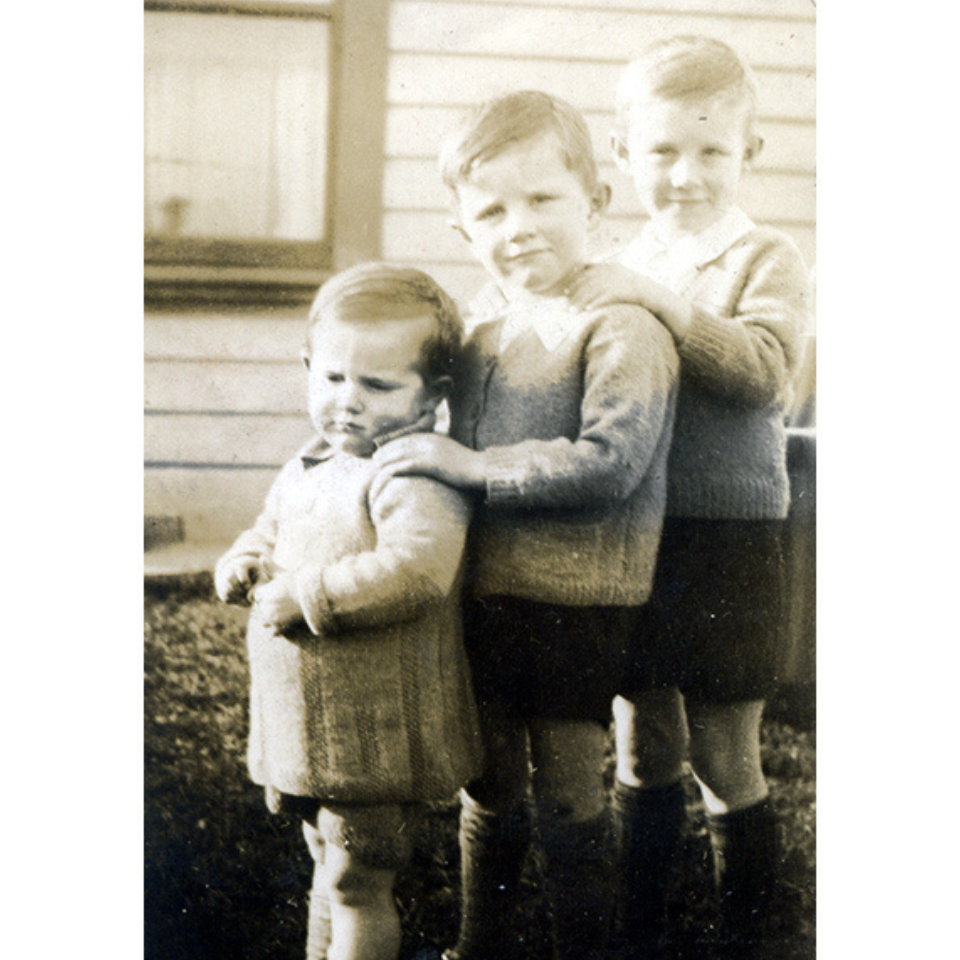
[
  {"x": 676, "y": 265},
  {"x": 551, "y": 318}
]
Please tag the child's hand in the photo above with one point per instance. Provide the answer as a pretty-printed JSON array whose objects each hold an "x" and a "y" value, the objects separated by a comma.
[
  {"x": 602, "y": 284},
  {"x": 235, "y": 580},
  {"x": 433, "y": 455},
  {"x": 277, "y": 604}
]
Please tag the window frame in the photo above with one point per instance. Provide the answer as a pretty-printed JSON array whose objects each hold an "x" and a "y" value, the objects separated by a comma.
[{"x": 282, "y": 271}]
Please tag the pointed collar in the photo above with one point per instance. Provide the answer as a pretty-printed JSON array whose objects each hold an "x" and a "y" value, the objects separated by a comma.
[
  {"x": 677, "y": 264},
  {"x": 318, "y": 450},
  {"x": 551, "y": 318}
]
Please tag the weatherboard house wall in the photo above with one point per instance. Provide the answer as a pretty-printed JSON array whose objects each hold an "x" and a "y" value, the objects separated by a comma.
[{"x": 224, "y": 381}]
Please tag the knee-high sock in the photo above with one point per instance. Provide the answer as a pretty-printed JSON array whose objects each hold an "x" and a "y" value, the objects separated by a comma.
[
  {"x": 577, "y": 855},
  {"x": 747, "y": 851},
  {"x": 648, "y": 824},
  {"x": 493, "y": 848}
]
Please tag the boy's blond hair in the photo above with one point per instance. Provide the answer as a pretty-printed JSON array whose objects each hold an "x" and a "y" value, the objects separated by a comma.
[
  {"x": 387, "y": 292},
  {"x": 686, "y": 66},
  {"x": 506, "y": 121}
]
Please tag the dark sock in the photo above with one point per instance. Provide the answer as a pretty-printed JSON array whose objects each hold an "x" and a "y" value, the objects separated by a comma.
[
  {"x": 746, "y": 859},
  {"x": 578, "y": 875},
  {"x": 648, "y": 824},
  {"x": 493, "y": 848}
]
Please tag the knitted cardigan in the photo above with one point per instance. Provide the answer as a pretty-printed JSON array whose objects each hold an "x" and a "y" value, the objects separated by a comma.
[
  {"x": 575, "y": 415},
  {"x": 370, "y": 699},
  {"x": 748, "y": 286}
]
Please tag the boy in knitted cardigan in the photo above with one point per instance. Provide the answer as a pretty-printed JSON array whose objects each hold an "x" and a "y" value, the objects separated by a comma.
[
  {"x": 560, "y": 426},
  {"x": 361, "y": 704},
  {"x": 732, "y": 295}
]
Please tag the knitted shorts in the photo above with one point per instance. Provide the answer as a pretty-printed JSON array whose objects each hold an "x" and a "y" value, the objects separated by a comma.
[
  {"x": 381, "y": 836},
  {"x": 540, "y": 660},
  {"x": 714, "y": 626}
]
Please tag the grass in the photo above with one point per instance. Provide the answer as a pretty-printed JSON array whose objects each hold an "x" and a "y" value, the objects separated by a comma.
[{"x": 225, "y": 879}]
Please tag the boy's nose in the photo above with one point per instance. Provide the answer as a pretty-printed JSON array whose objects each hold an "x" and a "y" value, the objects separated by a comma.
[
  {"x": 349, "y": 398},
  {"x": 683, "y": 172},
  {"x": 518, "y": 223}
]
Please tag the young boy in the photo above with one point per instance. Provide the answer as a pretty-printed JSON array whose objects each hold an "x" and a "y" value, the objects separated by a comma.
[
  {"x": 732, "y": 295},
  {"x": 560, "y": 426},
  {"x": 361, "y": 706}
]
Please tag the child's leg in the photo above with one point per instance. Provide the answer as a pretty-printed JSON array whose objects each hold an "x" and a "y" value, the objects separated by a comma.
[
  {"x": 574, "y": 830},
  {"x": 495, "y": 829},
  {"x": 318, "y": 911},
  {"x": 744, "y": 828},
  {"x": 364, "y": 921},
  {"x": 363, "y": 849},
  {"x": 649, "y": 812}
]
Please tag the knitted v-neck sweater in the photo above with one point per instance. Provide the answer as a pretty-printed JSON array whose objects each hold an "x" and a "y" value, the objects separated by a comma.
[
  {"x": 737, "y": 364},
  {"x": 575, "y": 415}
]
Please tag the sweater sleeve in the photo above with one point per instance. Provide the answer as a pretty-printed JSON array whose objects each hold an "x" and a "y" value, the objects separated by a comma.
[
  {"x": 628, "y": 380},
  {"x": 421, "y": 528},
  {"x": 751, "y": 356}
]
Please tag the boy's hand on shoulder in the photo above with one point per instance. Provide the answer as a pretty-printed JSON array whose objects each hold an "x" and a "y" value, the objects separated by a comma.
[
  {"x": 277, "y": 604},
  {"x": 603, "y": 284},
  {"x": 433, "y": 455}
]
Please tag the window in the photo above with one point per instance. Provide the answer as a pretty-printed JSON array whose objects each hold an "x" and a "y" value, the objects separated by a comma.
[{"x": 239, "y": 126}]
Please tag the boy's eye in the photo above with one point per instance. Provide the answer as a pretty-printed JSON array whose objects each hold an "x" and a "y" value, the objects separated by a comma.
[
  {"x": 379, "y": 386},
  {"x": 489, "y": 213},
  {"x": 539, "y": 198},
  {"x": 662, "y": 151},
  {"x": 334, "y": 377},
  {"x": 714, "y": 152}
]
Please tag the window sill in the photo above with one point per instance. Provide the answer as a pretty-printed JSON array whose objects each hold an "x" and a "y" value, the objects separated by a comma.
[{"x": 182, "y": 285}]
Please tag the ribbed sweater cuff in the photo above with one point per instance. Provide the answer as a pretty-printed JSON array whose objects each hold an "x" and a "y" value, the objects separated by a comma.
[
  {"x": 313, "y": 600},
  {"x": 503, "y": 488},
  {"x": 705, "y": 344}
]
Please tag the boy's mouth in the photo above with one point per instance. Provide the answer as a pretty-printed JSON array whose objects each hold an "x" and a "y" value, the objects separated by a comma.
[{"x": 525, "y": 255}]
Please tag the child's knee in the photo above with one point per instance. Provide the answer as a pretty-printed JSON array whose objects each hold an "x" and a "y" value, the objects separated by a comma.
[
  {"x": 651, "y": 738},
  {"x": 349, "y": 882}
]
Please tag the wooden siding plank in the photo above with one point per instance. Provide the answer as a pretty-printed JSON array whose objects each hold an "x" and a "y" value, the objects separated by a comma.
[
  {"x": 592, "y": 34},
  {"x": 225, "y": 385},
  {"x": 418, "y": 131},
  {"x": 178, "y": 337},
  {"x": 230, "y": 440},
  {"x": 804, "y": 10},
  {"x": 466, "y": 80},
  {"x": 215, "y": 504}
]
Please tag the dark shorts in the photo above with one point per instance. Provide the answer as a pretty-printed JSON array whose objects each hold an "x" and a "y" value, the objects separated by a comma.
[
  {"x": 382, "y": 836},
  {"x": 539, "y": 660},
  {"x": 714, "y": 626}
]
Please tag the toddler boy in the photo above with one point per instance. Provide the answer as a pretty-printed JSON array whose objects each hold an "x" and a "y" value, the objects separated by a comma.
[{"x": 361, "y": 705}]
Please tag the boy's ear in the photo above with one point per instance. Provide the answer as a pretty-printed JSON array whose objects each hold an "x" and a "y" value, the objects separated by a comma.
[
  {"x": 454, "y": 222},
  {"x": 754, "y": 146},
  {"x": 621, "y": 152},
  {"x": 599, "y": 201},
  {"x": 439, "y": 390}
]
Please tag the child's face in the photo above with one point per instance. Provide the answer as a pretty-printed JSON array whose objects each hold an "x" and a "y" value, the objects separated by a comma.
[
  {"x": 686, "y": 158},
  {"x": 527, "y": 217},
  {"x": 365, "y": 379}
]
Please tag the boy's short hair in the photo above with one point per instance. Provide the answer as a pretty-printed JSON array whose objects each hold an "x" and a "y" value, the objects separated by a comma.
[
  {"x": 498, "y": 124},
  {"x": 384, "y": 291},
  {"x": 686, "y": 66}
]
